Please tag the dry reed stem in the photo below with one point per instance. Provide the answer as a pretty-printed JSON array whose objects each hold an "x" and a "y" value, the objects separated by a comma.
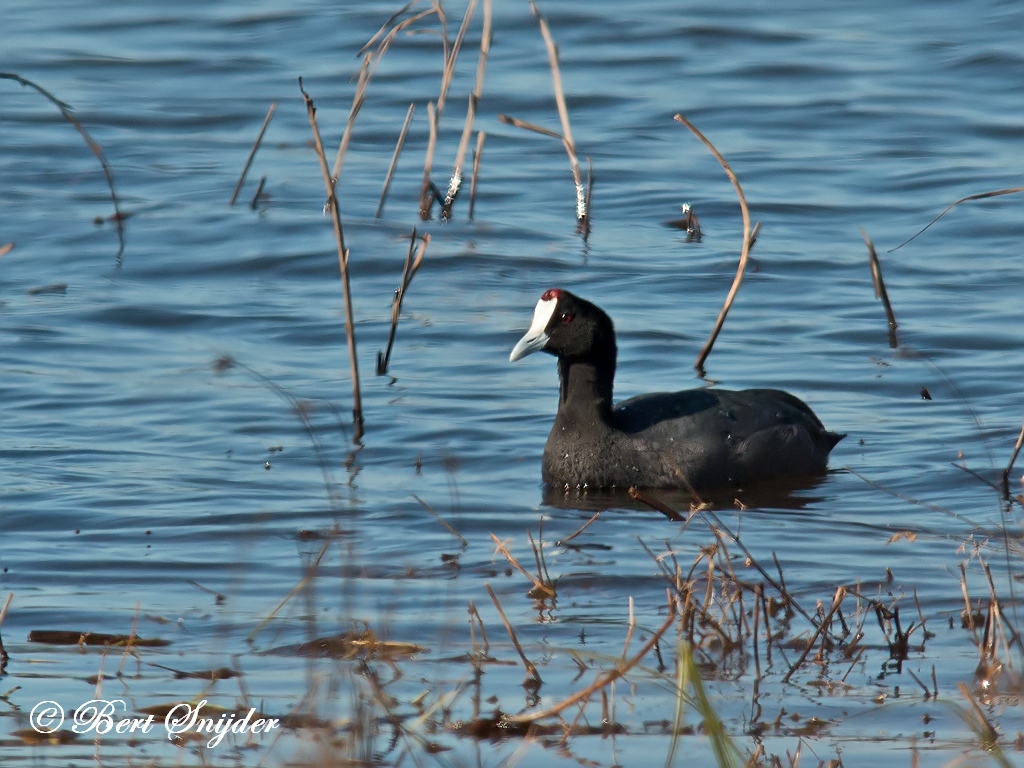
[
  {"x": 8, "y": 247},
  {"x": 65, "y": 110},
  {"x": 428, "y": 191},
  {"x": 339, "y": 236},
  {"x": 358, "y": 98},
  {"x": 409, "y": 271},
  {"x": 581, "y": 529},
  {"x": 629, "y": 632},
  {"x": 531, "y": 671},
  {"x": 427, "y": 194},
  {"x": 582, "y": 213},
  {"x": 394, "y": 160},
  {"x": 477, "y": 154},
  {"x": 455, "y": 182},
  {"x": 749, "y": 236},
  {"x": 252, "y": 153},
  {"x": 385, "y": 25},
  {"x": 305, "y": 580},
  {"x": 951, "y": 206},
  {"x": 880, "y": 292},
  {"x": 442, "y": 521},
  {"x": 259, "y": 191},
  {"x": 603, "y": 679},
  {"x": 540, "y": 586},
  {"x": 822, "y": 628},
  {"x": 1013, "y": 459}
]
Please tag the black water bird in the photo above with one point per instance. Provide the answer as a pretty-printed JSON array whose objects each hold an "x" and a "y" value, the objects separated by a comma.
[{"x": 698, "y": 439}]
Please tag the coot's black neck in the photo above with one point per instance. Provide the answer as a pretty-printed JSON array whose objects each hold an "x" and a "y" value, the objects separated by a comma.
[{"x": 586, "y": 386}]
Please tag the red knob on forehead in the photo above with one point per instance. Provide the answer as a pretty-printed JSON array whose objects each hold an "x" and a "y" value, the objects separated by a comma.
[{"x": 553, "y": 293}]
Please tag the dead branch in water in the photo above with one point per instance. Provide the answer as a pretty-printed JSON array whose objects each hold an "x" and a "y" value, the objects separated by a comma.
[
  {"x": 456, "y": 180},
  {"x": 65, "y": 110},
  {"x": 408, "y": 272},
  {"x": 339, "y": 236},
  {"x": 880, "y": 292},
  {"x": 749, "y": 238},
  {"x": 951, "y": 206},
  {"x": 252, "y": 154}
]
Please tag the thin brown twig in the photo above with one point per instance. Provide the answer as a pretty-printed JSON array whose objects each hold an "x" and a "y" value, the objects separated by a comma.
[
  {"x": 339, "y": 236},
  {"x": 252, "y": 152},
  {"x": 951, "y": 206},
  {"x": 97, "y": 150},
  {"x": 394, "y": 159},
  {"x": 603, "y": 679},
  {"x": 749, "y": 237},
  {"x": 880, "y": 292},
  {"x": 531, "y": 670},
  {"x": 408, "y": 273},
  {"x": 656, "y": 504}
]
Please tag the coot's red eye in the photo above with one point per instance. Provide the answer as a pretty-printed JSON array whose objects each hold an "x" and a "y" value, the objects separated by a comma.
[{"x": 567, "y": 317}]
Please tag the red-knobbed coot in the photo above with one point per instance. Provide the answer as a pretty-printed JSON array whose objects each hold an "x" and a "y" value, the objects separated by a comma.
[{"x": 701, "y": 439}]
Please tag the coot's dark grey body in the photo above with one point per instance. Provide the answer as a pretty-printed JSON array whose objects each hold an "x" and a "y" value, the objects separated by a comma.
[{"x": 703, "y": 439}]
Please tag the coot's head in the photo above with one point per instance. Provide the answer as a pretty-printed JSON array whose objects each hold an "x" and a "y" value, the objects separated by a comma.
[{"x": 568, "y": 327}]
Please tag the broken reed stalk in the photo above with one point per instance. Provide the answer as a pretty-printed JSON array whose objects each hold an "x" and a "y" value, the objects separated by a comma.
[
  {"x": 408, "y": 272},
  {"x": 749, "y": 237},
  {"x": 880, "y": 292},
  {"x": 455, "y": 182},
  {"x": 394, "y": 160},
  {"x": 1013, "y": 460},
  {"x": 477, "y": 153},
  {"x": 429, "y": 192},
  {"x": 540, "y": 587},
  {"x": 822, "y": 628},
  {"x": 65, "y": 110},
  {"x": 357, "y": 104},
  {"x": 531, "y": 671},
  {"x": 339, "y": 236},
  {"x": 259, "y": 191},
  {"x": 951, "y": 206},
  {"x": 582, "y": 195},
  {"x": 605, "y": 678},
  {"x": 252, "y": 155}
]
